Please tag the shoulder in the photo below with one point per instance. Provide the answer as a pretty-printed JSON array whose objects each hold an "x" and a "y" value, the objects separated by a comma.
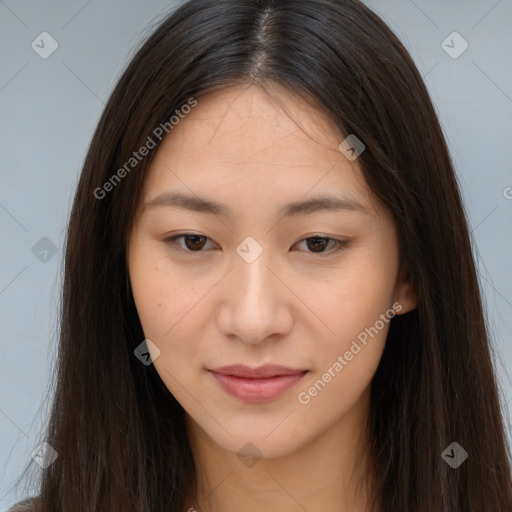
[{"x": 27, "y": 505}]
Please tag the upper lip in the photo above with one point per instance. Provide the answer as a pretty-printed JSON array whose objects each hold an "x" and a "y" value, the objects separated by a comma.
[{"x": 270, "y": 370}]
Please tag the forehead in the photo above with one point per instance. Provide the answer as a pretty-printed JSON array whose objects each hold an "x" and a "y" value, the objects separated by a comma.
[
  {"x": 247, "y": 145},
  {"x": 246, "y": 123}
]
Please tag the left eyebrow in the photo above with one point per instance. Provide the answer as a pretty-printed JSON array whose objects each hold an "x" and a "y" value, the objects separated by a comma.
[
  {"x": 323, "y": 203},
  {"x": 204, "y": 205}
]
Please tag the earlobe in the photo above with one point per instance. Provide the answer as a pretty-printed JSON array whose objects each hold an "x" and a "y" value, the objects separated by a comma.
[{"x": 405, "y": 295}]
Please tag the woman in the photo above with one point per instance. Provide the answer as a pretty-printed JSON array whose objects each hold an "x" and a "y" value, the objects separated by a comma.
[{"x": 270, "y": 300}]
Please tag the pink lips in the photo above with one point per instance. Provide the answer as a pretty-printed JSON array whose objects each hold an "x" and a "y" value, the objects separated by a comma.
[{"x": 256, "y": 384}]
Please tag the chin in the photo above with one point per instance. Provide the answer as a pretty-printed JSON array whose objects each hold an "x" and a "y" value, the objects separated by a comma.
[
  {"x": 251, "y": 440},
  {"x": 246, "y": 447}
]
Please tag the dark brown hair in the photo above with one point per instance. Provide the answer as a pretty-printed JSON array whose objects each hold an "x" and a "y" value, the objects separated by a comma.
[{"x": 118, "y": 431}]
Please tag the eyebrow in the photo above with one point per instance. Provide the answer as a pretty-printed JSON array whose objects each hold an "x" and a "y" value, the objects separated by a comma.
[{"x": 204, "y": 205}]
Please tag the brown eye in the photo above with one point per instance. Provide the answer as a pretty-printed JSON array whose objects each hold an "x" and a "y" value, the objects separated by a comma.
[
  {"x": 318, "y": 244},
  {"x": 192, "y": 242}
]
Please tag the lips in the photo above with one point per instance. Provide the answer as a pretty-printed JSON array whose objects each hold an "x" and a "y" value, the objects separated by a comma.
[
  {"x": 255, "y": 385},
  {"x": 257, "y": 373}
]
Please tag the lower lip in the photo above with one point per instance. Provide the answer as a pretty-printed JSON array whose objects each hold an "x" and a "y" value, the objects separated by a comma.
[{"x": 257, "y": 390}]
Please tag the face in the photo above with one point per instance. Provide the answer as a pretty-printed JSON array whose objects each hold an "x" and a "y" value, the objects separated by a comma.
[{"x": 253, "y": 280}]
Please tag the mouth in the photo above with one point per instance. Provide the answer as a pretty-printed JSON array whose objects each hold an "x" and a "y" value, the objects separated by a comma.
[{"x": 256, "y": 385}]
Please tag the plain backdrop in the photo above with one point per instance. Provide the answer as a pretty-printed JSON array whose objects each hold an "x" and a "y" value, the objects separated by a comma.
[{"x": 49, "y": 108}]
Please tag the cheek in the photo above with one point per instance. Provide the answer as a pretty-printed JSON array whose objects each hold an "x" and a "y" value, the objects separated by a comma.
[
  {"x": 151, "y": 299},
  {"x": 168, "y": 311},
  {"x": 345, "y": 365},
  {"x": 161, "y": 296},
  {"x": 357, "y": 298},
  {"x": 357, "y": 310},
  {"x": 349, "y": 357}
]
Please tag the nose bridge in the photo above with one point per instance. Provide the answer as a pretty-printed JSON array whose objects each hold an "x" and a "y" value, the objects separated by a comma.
[
  {"x": 252, "y": 276},
  {"x": 255, "y": 305}
]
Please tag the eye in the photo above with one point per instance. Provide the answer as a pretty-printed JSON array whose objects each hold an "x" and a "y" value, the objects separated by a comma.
[
  {"x": 194, "y": 243},
  {"x": 319, "y": 243}
]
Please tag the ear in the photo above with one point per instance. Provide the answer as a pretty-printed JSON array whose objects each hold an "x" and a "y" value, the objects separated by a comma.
[{"x": 405, "y": 296}]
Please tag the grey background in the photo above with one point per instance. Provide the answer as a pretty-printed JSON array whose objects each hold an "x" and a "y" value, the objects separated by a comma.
[{"x": 50, "y": 107}]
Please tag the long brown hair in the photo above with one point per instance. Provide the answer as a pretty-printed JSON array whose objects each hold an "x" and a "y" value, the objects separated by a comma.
[{"x": 118, "y": 432}]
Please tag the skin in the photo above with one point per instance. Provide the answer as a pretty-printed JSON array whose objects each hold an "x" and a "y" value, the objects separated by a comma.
[{"x": 297, "y": 304}]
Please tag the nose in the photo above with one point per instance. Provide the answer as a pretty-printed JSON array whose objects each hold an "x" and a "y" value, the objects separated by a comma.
[{"x": 256, "y": 302}]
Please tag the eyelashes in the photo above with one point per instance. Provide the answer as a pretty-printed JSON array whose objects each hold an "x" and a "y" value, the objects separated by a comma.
[{"x": 194, "y": 244}]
